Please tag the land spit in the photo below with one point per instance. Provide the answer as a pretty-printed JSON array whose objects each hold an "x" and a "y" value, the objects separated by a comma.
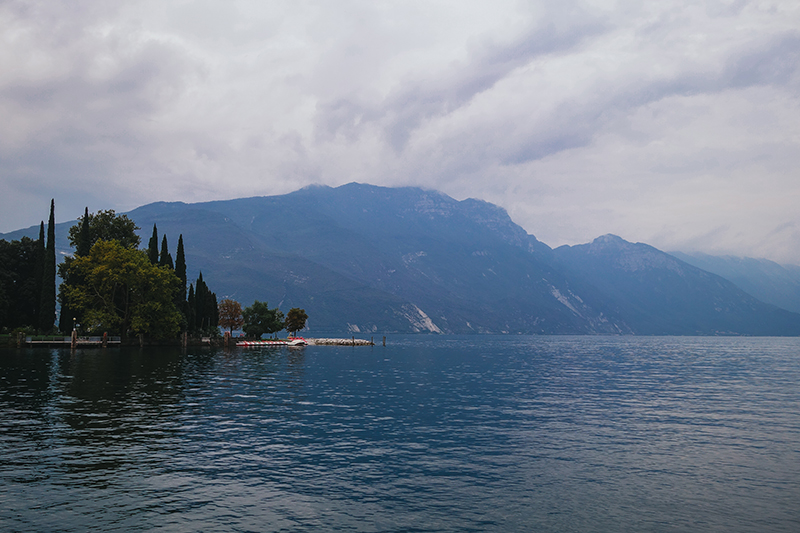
[{"x": 339, "y": 342}]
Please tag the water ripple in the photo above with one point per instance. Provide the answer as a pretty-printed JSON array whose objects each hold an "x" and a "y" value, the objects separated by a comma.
[{"x": 426, "y": 434}]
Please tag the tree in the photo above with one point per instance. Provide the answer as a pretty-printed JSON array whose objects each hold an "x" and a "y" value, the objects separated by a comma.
[
  {"x": 21, "y": 295},
  {"x": 47, "y": 306},
  {"x": 152, "y": 248},
  {"x": 295, "y": 320},
  {"x": 38, "y": 273},
  {"x": 83, "y": 242},
  {"x": 108, "y": 226},
  {"x": 165, "y": 259},
  {"x": 180, "y": 269},
  {"x": 117, "y": 289},
  {"x": 230, "y": 314},
  {"x": 91, "y": 228},
  {"x": 260, "y": 319},
  {"x": 204, "y": 316}
]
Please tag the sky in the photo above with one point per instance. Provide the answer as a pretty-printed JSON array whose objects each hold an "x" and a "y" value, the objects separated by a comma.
[{"x": 675, "y": 123}]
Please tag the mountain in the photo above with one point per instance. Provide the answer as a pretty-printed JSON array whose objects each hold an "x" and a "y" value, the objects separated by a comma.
[
  {"x": 361, "y": 258},
  {"x": 656, "y": 293},
  {"x": 766, "y": 280},
  {"x": 364, "y": 258}
]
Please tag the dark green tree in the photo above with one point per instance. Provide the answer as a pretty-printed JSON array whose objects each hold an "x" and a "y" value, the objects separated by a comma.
[
  {"x": 108, "y": 226},
  {"x": 260, "y": 319},
  {"x": 38, "y": 272},
  {"x": 21, "y": 296},
  {"x": 180, "y": 268},
  {"x": 152, "y": 248},
  {"x": 191, "y": 310},
  {"x": 83, "y": 242},
  {"x": 295, "y": 320},
  {"x": 47, "y": 307},
  {"x": 165, "y": 259},
  {"x": 203, "y": 309}
]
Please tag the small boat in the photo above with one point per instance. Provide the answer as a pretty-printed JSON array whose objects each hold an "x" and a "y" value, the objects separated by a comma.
[{"x": 291, "y": 341}]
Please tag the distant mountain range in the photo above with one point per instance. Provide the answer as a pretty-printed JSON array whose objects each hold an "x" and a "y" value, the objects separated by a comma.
[
  {"x": 766, "y": 280},
  {"x": 366, "y": 259}
]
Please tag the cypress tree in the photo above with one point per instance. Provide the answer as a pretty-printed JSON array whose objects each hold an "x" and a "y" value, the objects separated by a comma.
[
  {"x": 84, "y": 244},
  {"x": 38, "y": 271},
  {"x": 166, "y": 258},
  {"x": 152, "y": 248},
  {"x": 213, "y": 312},
  {"x": 180, "y": 269},
  {"x": 191, "y": 315},
  {"x": 200, "y": 303},
  {"x": 47, "y": 307}
]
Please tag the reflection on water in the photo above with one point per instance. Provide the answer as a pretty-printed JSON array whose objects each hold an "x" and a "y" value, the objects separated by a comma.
[{"x": 425, "y": 434}]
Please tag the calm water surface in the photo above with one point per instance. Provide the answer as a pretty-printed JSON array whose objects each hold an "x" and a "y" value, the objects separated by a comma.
[{"x": 425, "y": 434}]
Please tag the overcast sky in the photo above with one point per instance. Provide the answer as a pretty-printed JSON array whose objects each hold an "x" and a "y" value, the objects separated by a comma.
[{"x": 675, "y": 123}]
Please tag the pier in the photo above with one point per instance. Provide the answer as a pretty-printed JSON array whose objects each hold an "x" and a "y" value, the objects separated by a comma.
[{"x": 72, "y": 341}]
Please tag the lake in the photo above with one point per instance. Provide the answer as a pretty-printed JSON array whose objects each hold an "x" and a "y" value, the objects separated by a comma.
[{"x": 429, "y": 433}]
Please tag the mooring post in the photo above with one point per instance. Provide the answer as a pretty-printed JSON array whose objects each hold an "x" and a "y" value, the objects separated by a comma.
[
  {"x": 227, "y": 338},
  {"x": 20, "y": 336},
  {"x": 105, "y": 339},
  {"x": 141, "y": 340},
  {"x": 185, "y": 339},
  {"x": 354, "y": 341},
  {"x": 384, "y": 340},
  {"x": 74, "y": 342}
]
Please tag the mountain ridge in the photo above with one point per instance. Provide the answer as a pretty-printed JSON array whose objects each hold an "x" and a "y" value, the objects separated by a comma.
[{"x": 362, "y": 258}]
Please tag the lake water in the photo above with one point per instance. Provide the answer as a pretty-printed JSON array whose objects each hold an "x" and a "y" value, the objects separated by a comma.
[{"x": 429, "y": 433}]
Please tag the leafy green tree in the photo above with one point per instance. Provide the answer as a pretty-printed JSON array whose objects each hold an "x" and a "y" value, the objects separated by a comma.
[
  {"x": 152, "y": 248},
  {"x": 295, "y": 320},
  {"x": 47, "y": 305},
  {"x": 91, "y": 228},
  {"x": 260, "y": 319},
  {"x": 117, "y": 289},
  {"x": 108, "y": 226},
  {"x": 230, "y": 314}
]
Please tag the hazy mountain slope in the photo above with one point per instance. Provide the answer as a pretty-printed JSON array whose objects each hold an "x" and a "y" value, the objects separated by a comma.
[
  {"x": 766, "y": 280},
  {"x": 236, "y": 264},
  {"x": 656, "y": 293},
  {"x": 464, "y": 264}
]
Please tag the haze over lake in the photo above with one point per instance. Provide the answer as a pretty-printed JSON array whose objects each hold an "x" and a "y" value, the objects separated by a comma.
[{"x": 430, "y": 433}]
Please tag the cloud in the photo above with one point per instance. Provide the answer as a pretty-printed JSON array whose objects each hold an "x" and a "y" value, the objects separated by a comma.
[{"x": 674, "y": 123}]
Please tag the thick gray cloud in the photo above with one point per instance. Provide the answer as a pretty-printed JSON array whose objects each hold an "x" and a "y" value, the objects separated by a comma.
[{"x": 674, "y": 123}]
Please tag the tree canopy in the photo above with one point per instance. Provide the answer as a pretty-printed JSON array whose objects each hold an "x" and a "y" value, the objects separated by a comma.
[
  {"x": 295, "y": 320},
  {"x": 117, "y": 289},
  {"x": 104, "y": 225},
  {"x": 260, "y": 319},
  {"x": 20, "y": 294},
  {"x": 230, "y": 314}
]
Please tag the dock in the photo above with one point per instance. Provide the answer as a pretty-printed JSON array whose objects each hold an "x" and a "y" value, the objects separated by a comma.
[{"x": 58, "y": 340}]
